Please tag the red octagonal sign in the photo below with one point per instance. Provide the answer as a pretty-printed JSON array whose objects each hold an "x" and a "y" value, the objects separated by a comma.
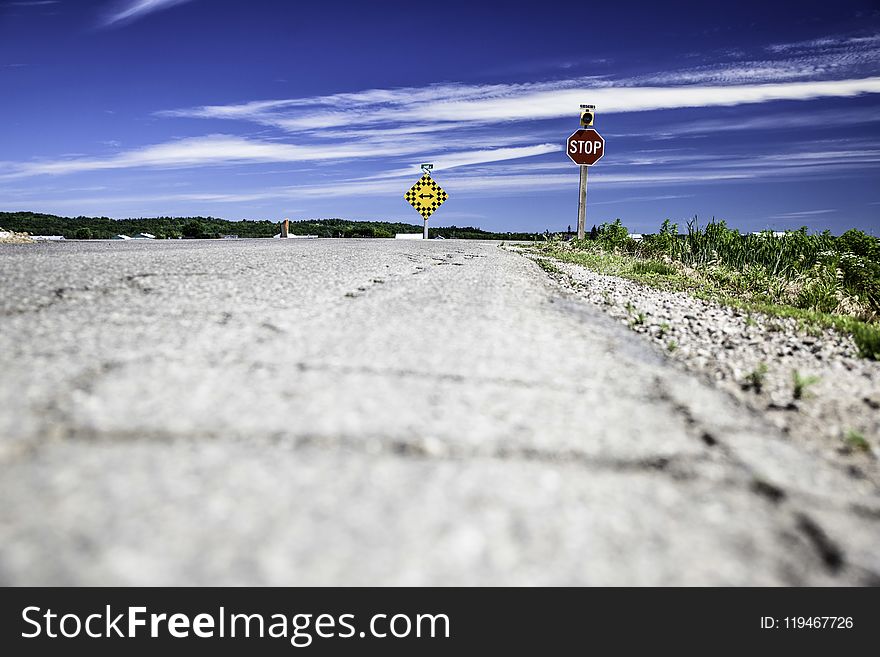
[{"x": 585, "y": 146}]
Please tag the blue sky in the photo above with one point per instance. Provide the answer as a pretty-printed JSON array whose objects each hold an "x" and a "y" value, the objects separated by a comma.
[{"x": 766, "y": 114}]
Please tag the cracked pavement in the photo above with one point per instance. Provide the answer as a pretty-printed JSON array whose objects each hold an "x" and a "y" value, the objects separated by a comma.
[{"x": 330, "y": 412}]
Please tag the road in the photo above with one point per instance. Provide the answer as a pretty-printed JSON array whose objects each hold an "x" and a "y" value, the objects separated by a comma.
[{"x": 323, "y": 412}]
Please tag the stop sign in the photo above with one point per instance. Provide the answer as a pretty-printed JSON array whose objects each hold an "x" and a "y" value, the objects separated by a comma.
[{"x": 585, "y": 146}]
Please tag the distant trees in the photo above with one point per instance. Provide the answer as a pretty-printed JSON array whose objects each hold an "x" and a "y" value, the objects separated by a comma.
[
  {"x": 211, "y": 227},
  {"x": 193, "y": 229}
]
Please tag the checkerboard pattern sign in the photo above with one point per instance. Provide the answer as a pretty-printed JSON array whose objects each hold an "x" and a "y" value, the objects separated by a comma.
[{"x": 426, "y": 196}]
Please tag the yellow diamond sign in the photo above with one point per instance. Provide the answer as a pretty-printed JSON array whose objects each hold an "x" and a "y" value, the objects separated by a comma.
[{"x": 426, "y": 196}]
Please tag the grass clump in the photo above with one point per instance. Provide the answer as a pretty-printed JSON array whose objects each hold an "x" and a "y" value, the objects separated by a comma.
[
  {"x": 647, "y": 267},
  {"x": 755, "y": 379},
  {"x": 867, "y": 339},
  {"x": 855, "y": 440},
  {"x": 802, "y": 384}
]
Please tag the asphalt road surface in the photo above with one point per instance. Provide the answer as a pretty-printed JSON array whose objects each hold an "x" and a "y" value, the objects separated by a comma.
[{"x": 323, "y": 412}]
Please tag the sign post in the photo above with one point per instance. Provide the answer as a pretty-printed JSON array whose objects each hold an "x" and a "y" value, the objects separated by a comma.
[
  {"x": 585, "y": 147},
  {"x": 426, "y": 196},
  {"x": 582, "y": 201}
]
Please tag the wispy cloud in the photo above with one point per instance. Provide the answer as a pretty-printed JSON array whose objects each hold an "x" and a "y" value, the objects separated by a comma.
[
  {"x": 801, "y": 213},
  {"x": 133, "y": 9},
  {"x": 219, "y": 150},
  {"x": 454, "y": 105}
]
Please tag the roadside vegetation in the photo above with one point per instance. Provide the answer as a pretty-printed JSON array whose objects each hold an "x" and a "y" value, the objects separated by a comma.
[
  {"x": 820, "y": 279},
  {"x": 84, "y": 228}
]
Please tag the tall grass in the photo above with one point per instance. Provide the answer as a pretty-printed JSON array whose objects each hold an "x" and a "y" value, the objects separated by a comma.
[{"x": 819, "y": 271}]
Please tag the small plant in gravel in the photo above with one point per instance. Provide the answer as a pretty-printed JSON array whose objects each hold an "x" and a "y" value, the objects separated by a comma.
[
  {"x": 802, "y": 384},
  {"x": 671, "y": 346},
  {"x": 855, "y": 440},
  {"x": 664, "y": 329},
  {"x": 755, "y": 379},
  {"x": 750, "y": 320},
  {"x": 638, "y": 320}
]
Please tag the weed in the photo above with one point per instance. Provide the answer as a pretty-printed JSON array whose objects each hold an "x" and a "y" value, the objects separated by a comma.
[
  {"x": 671, "y": 346},
  {"x": 855, "y": 440},
  {"x": 755, "y": 379},
  {"x": 750, "y": 321},
  {"x": 664, "y": 329},
  {"x": 802, "y": 383}
]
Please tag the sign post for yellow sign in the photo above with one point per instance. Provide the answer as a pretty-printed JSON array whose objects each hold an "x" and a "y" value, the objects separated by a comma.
[{"x": 426, "y": 196}]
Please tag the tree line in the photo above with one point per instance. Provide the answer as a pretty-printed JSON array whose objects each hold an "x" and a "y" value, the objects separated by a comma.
[{"x": 82, "y": 227}]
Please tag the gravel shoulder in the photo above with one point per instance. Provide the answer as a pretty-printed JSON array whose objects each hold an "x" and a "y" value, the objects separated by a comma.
[{"x": 755, "y": 358}]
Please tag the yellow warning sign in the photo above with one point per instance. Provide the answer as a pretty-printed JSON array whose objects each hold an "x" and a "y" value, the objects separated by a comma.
[{"x": 426, "y": 196}]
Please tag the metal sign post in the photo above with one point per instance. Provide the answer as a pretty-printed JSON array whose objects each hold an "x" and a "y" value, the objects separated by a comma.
[
  {"x": 582, "y": 201},
  {"x": 585, "y": 147}
]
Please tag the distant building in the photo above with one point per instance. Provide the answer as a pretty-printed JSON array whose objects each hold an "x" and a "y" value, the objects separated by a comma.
[
  {"x": 638, "y": 237},
  {"x": 230, "y": 237},
  {"x": 408, "y": 236},
  {"x": 296, "y": 237},
  {"x": 120, "y": 237},
  {"x": 47, "y": 238},
  {"x": 144, "y": 236}
]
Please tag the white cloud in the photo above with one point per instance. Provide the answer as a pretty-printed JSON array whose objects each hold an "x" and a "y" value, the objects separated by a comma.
[
  {"x": 439, "y": 107},
  {"x": 218, "y": 150},
  {"x": 134, "y": 9},
  {"x": 468, "y": 158},
  {"x": 801, "y": 213}
]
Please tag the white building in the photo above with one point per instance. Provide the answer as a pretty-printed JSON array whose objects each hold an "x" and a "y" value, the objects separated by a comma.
[{"x": 144, "y": 236}]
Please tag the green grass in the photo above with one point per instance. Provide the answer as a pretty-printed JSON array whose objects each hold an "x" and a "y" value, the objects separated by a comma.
[
  {"x": 643, "y": 267},
  {"x": 802, "y": 384},
  {"x": 855, "y": 440},
  {"x": 867, "y": 339}
]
